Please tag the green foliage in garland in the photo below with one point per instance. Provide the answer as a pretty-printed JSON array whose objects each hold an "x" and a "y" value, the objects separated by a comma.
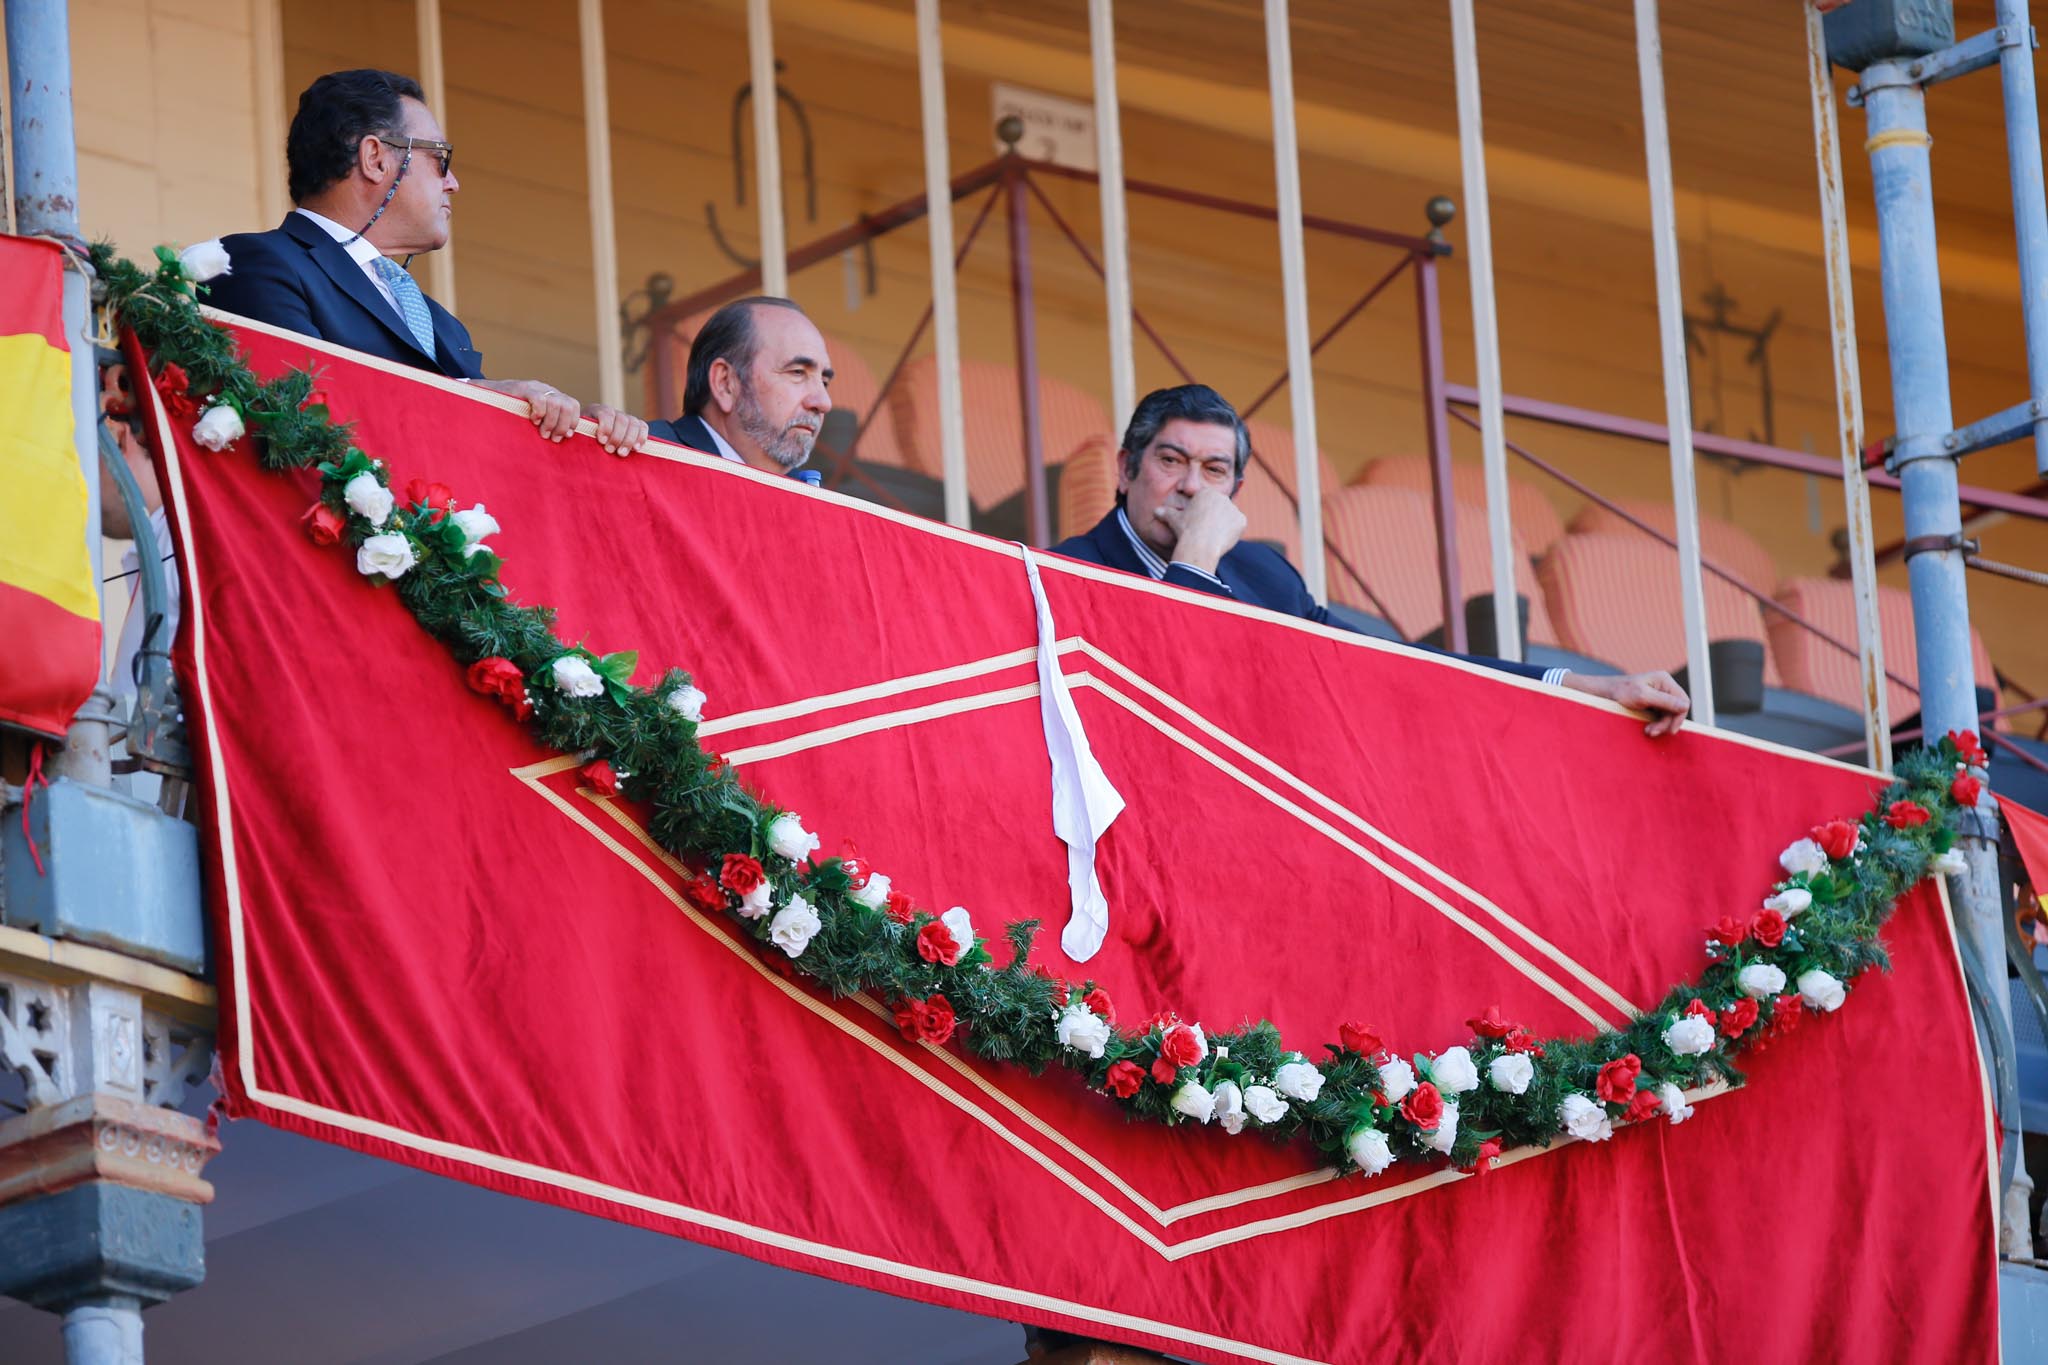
[{"x": 1348, "y": 1103}]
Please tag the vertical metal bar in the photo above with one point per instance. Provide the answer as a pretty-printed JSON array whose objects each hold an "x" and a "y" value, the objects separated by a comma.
[
  {"x": 1500, "y": 531},
  {"x": 1116, "y": 250},
  {"x": 604, "y": 239},
  {"x": 1671, "y": 330},
  {"x": 434, "y": 82},
  {"x": 1827, "y": 151},
  {"x": 767, "y": 148},
  {"x": 1443, "y": 504},
  {"x": 2029, "y": 211},
  {"x": 1308, "y": 474},
  {"x": 938, "y": 192},
  {"x": 1036, "y": 528}
]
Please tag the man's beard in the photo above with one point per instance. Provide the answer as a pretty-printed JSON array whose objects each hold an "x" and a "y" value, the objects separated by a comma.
[{"x": 790, "y": 446}]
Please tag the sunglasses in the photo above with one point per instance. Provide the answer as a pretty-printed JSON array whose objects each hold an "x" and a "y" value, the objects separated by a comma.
[{"x": 444, "y": 152}]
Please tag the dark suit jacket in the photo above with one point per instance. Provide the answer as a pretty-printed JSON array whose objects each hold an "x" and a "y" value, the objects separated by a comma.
[
  {"x": 297, "y": 277},
  {"x": 691, "y": 432},
  {"x": 1255, "y": 574}
]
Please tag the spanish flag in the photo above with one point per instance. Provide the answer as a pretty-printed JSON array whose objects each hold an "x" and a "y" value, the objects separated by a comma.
[{"x": 49, "y": 605}]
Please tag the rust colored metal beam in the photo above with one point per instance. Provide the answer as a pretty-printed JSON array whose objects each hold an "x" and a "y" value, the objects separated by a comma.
[
  {"x": 1343, "y": 321},
  {"x": 1443, "y": 501}
]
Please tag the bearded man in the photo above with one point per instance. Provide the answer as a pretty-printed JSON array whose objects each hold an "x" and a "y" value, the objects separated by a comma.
[{"x": 757, "y": 389}]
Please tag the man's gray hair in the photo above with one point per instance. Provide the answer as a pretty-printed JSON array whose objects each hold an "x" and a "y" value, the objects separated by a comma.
[{"x": 1187, "y": 402}]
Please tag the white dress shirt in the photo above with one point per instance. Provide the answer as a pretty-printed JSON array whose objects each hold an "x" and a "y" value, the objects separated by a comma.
[{"x": 359, "y": 250}]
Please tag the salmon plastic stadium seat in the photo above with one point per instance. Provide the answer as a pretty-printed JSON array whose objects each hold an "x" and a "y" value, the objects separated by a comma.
[
  {"x": 1266, "y": 499},
  {"x": 1721, "y": 542},
  {"x": 1068, "y": 417},
  {"x": 1537, "y": 524},
  {"x": 1811, "y": 664},
  {"x": 853, "y": 389},
  {"x": 1615, "y": 597},
  {"x": 1389, "y": 536},
  {"x": 1087, "y": 487}
]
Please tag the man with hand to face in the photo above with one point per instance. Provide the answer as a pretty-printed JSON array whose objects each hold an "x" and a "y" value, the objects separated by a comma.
[
  {"x": 1176, "y": 520},
  {"x": 373, "y": 178},
  {"x": 757, "y": 388}
]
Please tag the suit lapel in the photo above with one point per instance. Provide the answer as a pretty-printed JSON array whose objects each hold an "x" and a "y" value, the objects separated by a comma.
[
  {"x": 348, "y": 276},
  {"x": 1115, "y": 547}
]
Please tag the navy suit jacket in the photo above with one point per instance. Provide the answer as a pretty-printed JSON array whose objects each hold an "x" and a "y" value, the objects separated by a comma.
[
  {"x": 1253, "y": 573},
  {"x": 691, "y": 432},
  {"x": 297, "y": 277}
]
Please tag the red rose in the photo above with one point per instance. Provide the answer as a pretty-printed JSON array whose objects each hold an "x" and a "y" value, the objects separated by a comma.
[
  {"x": 1966, "y": 789},
  {"x": 935, "y": 1025},
  {"x": 1905, "y": 814},
  {"x": 907, "y": 1016},
  {"x": 1180, "y": 1046},
  {"x": 900, "y": 908},
  {"x": 740, "y": 874},
  {"x": 1521, "y": 1040},
  {"x": 1786, "y": 1013},
  {"x": 435, "y": 495},
  {"x": 1837, "y": 838},
  {"x": 935, "y": 943},
  {"x": 1730, "y": 931},
  {"x": 1967, "y": 747},
  {"x": 1490, "y": 1024},
  {"x": 1736, "y": 1019},
  {"x": 1359, "y": 1039},
  {"x": 1061, "y": 992},
  {"x": 1124, "y": 1079},
  {"x": 1489, "y": 1152},
  {"x": 1640, "y": 1106},
  {"x": 1768, "y": 928},
  {"x": 1098, "y": 1000},
  {"x": 702, "y": 891},
  {"x": 176, "y": 387},
  {"x": 323, "y": 525},
  {"x": 601, "y": 778},
  {"x": 1424, "y": 1107},
  {"x": 1699, "y": 1009},
  {"x": 1617, "y": 1083},
  {"x": 1163, "y": 1070},
  {"x": 500, "y": 678},
  {"x": 856, "y": 867}
]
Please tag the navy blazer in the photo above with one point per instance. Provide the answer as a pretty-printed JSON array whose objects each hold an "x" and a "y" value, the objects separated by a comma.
[
  {"x": 297, "y": 277},
  {"x": 691, "y": 432},
  {"x": 1253, "y": 573}
]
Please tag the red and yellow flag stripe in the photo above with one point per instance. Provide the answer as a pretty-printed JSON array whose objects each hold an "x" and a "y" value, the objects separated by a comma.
[{"x": 49, "y": 605}]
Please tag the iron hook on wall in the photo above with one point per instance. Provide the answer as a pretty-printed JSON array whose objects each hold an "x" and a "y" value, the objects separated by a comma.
[{"x": 783, "y": 98}]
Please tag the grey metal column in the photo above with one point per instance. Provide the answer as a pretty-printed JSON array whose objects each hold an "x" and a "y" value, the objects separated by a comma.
[{"x": 2029, "y": 210}]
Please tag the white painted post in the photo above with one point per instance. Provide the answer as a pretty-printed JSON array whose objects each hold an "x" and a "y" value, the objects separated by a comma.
[
  {"x": 1671, "y": 331},
  {"x": 266, "y": 40},
  {"x": 604, "y": 240},
  {"x": 767, "y": 149},
  {"x": 938, "y": 192},
  {"x": 1834, "y": 222},
  {"x": 434, "y": 82},
  {"x": 1308, "y": 474},
  {"x": 1485, "y": 330},
  {"x": 1116, "y": 238}
]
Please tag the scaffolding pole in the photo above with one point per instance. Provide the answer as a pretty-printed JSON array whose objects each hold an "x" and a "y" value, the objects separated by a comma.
[
  {"x": 938, "y": 195},
  {"x": 767, "y": 149},
  {"x": 1116, "y": 242},
  {"x": 1301, "y": 391},
  {"x": 604, "y": 237},
  {"x": 434, "y": 83}
]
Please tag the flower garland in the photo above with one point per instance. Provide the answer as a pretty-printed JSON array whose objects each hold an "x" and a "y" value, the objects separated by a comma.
[{"x": 841, "y": 924}]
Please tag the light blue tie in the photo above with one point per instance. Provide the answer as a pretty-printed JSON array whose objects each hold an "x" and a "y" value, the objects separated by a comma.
[{"x": 412, "y": 304}]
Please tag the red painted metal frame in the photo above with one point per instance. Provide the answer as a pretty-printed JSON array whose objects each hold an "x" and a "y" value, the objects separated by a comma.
[{"x": 1443, "y": 501}]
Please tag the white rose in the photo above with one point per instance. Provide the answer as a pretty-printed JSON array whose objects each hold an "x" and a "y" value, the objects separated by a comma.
[
  {"x": 793, "y": 926},
  {"x": 1453, "y": 1072},
  {"x": 787, "y": 838},
  {"x": 1298, "y": 1081},
  {"x": 1201, "y": 1042},
  {"x": 1229, "y": 1107},
  {"x": 1397, "y": 1078},
  {"x": 1760, "y": 980},
  {"x": 1803, "y": 856},
  {"x": 874, "y": 893},
  {"x": 1082, "y": 1030},
  {"x": 219, "y": 428},
  {"x": 1369, "y": 1150},
  {"x": 1511, "y": 1072},
  {"x": 1791, "y": 901},
  {"x": 1445, "y": 1134},
  {"x": 204, "y": 261},
  {"x": 1673, "y": 1100},
  {"x": 687, "y": 700},
  {"x": 1264, "y": 1104},
  {"x": 754, "y": 904},
  {"x": 1950, "y": 864},
  {"x": 961, "y": 925},
  {"x": 1821, "y": 991},
  {"x": 1582, "y": 1118},
  {"x": 368, "y": 498},
  {"x": 1689, "y": 1036},
  {"x": 475, "y": 524},
  {"x": 576, "y": 678},
  {"x": 1194, "y": 1101},
  {"x": 389, "y": 554}
]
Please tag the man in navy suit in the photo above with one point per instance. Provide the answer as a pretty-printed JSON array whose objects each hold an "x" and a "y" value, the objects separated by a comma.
[
  {"x": 757, "y": 388},
  {"x": 373, "y": 178},
  {"x": 1182, "y": 463}
]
